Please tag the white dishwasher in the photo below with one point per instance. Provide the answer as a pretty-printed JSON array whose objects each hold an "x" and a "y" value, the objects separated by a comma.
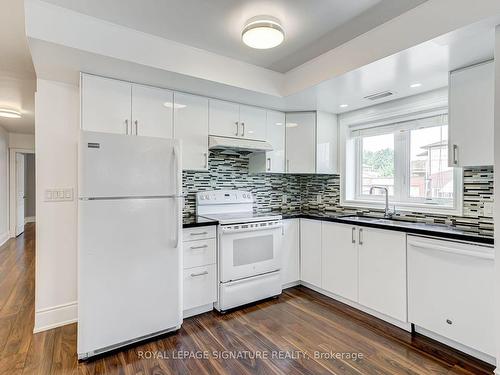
[{"x": 450, "y": 291}]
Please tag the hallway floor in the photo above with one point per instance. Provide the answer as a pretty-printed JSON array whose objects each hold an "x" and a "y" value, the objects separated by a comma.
[{"x": 300, "y": 321}]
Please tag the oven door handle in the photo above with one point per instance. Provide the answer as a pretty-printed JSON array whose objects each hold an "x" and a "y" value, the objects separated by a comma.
[{"x": 229, "y": 228}]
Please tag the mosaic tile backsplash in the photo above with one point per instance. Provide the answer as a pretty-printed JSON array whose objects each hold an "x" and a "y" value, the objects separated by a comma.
[{"x": 294, "y": 193}]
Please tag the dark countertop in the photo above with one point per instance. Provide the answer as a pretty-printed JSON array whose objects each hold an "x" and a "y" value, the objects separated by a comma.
[
  {"x": 435, "y": 230},
  {"x": 197, "y": 221}
]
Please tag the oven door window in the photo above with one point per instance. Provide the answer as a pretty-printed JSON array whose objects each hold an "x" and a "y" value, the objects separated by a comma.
[{"x": 253, "y": 250}]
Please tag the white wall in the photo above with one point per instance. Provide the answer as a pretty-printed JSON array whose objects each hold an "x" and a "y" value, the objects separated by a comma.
[
  {"x": 4, "y": 186},
  {"x": 57, "y": 124},
  {"x": 24, "y": 141}
]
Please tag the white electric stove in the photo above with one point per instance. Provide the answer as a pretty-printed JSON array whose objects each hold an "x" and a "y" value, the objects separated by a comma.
[{"x": 249, "y": 247}]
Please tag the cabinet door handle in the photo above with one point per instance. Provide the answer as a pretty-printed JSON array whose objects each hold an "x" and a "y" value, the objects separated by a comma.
[
  {"x": 206, "y": 159},
  {"x": 268, "y": 164},
  {"x": 198, "y": 247},
  {"x": 198, "y": 233},
  {"x": 199, "y": 274},
  {"x": 237, "y": 128},
  {"x": 360, "y": 238},
  {"x": 126, "y": 127},
  {"x": 455, "y": 154},
  {"x": 136, "y": 127},
  {"x": 242, "y": 129},
  {"x": 352, "y": 235}
]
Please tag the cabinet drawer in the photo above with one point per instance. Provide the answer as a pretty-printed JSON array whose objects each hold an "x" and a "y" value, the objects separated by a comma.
[
  {"x": 199, "y": 253},
  {"x": 199, "y": 233},
  {"x": 200, "y": 286}
]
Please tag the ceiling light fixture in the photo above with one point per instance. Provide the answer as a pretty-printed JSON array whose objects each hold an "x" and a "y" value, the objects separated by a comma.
[
  {"x": 344, "y": 105},
  {"x": 9, "y": 113},
  {"x": 263, "y": 32},
  {"x": 415, "y": 85}
]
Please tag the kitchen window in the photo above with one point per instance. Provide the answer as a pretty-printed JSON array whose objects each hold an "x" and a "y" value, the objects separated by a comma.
[{"x": 409, "y": 158}]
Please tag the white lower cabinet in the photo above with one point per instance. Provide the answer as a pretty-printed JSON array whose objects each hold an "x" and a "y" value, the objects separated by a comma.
[
  {"x": 451, "y": 291},
  {"x": 200, "y": 270},
  {"x": 340, "y": 260},
  {"x": 290, "y": 252},
  {"x": 382, "y": 271},
  {"x": 310, "y": 251}
]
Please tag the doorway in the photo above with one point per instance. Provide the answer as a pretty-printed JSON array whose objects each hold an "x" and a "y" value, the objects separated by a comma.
[{"x": 23, "y": 190}]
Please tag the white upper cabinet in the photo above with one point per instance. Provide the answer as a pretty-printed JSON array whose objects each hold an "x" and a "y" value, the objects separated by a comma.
[
  {"x": 301, "y": 142},
  {"x": 229, "y": 119},
  {"x": 340, "y": 260},
  {"x": 326, "y": 143},
  {"x": 252, "y": 122},
  {"x": 271, "y": 161},
  {"x": 191, "y": 126},
  {"x": 152, "y": 112},
  {"x": 310, "y": 251},
  {"x": 224, "y": 118},
  {"x": 471, "y": 111},
  {"x": 105, "y": 105},
  {"x": 382, "y": 271}
]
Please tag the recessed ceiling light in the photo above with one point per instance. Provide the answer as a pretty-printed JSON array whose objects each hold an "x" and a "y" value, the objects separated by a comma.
[
  {"x": 415, "y": 85},
  {"x": 263, "y": 32},
  {"x": 344, "y": 105},
  {"x": 9, "y": 113},
  {"x": 174, "y": 105}
]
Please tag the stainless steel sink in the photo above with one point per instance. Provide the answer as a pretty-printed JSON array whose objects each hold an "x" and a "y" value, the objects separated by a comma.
[{"x": 370, "y": 219}]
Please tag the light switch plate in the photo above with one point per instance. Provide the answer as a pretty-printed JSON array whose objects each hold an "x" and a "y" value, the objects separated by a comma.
[{"x": 59, "y": 195}]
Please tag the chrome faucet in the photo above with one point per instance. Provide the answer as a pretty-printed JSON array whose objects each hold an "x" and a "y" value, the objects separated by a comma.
[{"x": 388, "y": 214}]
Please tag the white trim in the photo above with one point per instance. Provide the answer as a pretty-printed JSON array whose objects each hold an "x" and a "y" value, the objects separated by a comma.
[
  {"x": 13, "y": 188},
  {"x": 398, "y": 323},
  {"x": 456, "y": 345},
  {"x": 292, "y": 283},
  {"x": 432, "y": 103},
  {"x": 55, "y": 316},
  {"x": 29, "y": 219},
  {"x": 197, "y": 310},
  {"x": 4, "y": 237}
]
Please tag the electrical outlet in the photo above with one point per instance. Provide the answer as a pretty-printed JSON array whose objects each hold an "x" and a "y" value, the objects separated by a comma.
[
  {"x": 488, "y": 209},
  {"x": 283, "y": 199},
  {"x": 319, "y": 198}
]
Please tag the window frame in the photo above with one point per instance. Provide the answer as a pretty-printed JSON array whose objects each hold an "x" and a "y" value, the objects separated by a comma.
[{"x": 402, "y": 145}]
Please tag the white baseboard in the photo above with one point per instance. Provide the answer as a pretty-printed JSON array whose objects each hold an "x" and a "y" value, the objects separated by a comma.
[
  {"x": 456, "y": 345},
  {"x": 289, "y": 285},
  {"x": 56, "y": 316},
  {"x": 29, "y": 219},
  {"x": 197, "y": 310},
  {"x": 4, "y": 237},
  {"x": 403, "y": 325}
]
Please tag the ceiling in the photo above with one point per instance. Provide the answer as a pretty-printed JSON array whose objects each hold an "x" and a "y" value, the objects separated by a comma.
[
  {"x": 17, "y": 75},
  {"x": 311, "y": 27}
]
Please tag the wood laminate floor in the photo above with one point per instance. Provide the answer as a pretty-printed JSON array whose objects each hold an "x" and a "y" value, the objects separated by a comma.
[{"x": 299, "y": 333}]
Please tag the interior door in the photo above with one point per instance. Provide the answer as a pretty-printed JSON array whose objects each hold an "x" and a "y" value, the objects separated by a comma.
[
  {"x": 152, "y": 112},
  {"x": 20, "y": 193}
]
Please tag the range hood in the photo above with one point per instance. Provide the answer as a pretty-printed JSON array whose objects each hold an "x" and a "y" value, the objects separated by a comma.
[{"x": 238, "y": 144}]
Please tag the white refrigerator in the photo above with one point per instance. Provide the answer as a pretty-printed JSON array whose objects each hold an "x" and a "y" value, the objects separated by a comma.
[{"x": 129, "y": 240}]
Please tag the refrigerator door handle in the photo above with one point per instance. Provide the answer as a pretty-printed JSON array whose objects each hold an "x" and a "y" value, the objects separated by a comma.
[{"x": 178, "y": 175}]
